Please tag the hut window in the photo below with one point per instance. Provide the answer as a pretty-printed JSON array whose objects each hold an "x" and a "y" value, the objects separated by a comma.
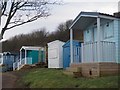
[
  {"x": 108, "y": 29},
  {"x": 87, "y": 31},
  {"x": 107, "y": 24},
  {"x": 0, "y": 56}
]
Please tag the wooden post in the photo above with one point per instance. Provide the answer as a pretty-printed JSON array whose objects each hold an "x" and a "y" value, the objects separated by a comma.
[
  {"x": 18, "y": 66},
  {"x": 82, "y": 53},
  {"x": 2, "y": 58},
  {"x": 71, "y": 45},
  {"x": 25, "y": 57},
  {"x": 98, "y": 39},
  {"x": 20, "y": 56},
  {"x": 14, "y": 66}
]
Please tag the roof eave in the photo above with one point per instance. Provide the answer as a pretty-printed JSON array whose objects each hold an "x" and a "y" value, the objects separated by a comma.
[
  {"x": 78, "y": 17},
  {"x": 92, "y": 16}
]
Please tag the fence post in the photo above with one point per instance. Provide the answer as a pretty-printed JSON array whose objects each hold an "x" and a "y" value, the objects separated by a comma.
[
  {"x": 71, "y": 45},
  {"x": 98, "y": 39},
  {"x": 18, "y": 66},
  {"x": 25, "y": 57},
  {"x": 82, "y": 52},
  {"x": 13, "y": 66}
]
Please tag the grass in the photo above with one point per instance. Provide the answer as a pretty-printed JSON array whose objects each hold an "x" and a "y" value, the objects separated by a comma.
[{"x": 52, "y": 78}]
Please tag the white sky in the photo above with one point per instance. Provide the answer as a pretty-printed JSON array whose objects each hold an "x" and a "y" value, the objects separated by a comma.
[{"x": 61, "y": 13}]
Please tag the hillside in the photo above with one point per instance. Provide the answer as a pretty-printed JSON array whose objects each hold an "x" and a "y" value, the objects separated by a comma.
[
  {"x": 41, "y": 37},
  {"x": 53, "y": 78}
]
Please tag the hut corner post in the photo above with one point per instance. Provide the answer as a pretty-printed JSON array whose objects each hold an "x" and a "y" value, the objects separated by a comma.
[
  {"x": 71, "y": 45},
  {"x": 25, "y": 56},
  {"x": 20, "y": 56},
  {"x": 98, "y": 39},
  {"x": 98, "y": 44}
]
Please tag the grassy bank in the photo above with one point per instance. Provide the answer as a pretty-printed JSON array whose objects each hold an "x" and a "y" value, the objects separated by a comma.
[{"x": 52, "y": 78}]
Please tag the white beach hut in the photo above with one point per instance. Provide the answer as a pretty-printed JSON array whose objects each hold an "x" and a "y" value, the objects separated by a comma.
[{"x": 55, "y": 54}]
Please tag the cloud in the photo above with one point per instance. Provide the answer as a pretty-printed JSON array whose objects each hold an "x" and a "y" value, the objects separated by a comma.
[
  {"x": 90, "y": 1},
  {"x": 61, "y": 13}
]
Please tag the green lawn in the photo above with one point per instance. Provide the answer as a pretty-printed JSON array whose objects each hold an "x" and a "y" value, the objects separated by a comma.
[{"x": 52, "y": 78}]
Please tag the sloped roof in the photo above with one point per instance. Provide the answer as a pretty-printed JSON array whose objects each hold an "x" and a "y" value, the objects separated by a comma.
[
  {"x": 75, "y": 43},
  {"x": 54, "y": 42},
  {"x": 31, "y": 48},
  {"x": 90, "y": 17}
]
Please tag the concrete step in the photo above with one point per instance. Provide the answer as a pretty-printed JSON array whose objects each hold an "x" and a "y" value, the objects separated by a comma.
[
  {"x": 73, "y": 69},
  {"x": 75, "y": 65},
  {"x": 68, "y": 73},
  {"x": 25, "y": 66},
  {"x": 21, "y": 67},
  {"x": 73, "y": 74}
]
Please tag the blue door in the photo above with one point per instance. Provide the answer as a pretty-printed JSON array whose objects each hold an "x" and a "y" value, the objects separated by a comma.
[
  {"x": 66, "y": 57},
  {"x": 77, "y": 54}
]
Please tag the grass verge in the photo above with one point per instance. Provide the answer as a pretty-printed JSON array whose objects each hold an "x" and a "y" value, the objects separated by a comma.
[{"x": 53, "y": 78}]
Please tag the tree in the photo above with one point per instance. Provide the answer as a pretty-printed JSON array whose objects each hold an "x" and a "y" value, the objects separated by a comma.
[
  {"x": 62, "y": 32},
  {"x": 39, "y": 38},
  {"x": 19, "y": 12}
]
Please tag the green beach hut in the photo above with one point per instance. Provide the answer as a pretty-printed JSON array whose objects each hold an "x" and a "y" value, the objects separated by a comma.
[{"x": 31, "y": 55}]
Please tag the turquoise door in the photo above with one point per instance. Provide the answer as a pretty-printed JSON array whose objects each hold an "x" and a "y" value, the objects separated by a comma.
[
  {"x": 34, "y": 55},
  {"x": 41, "y": 56}
]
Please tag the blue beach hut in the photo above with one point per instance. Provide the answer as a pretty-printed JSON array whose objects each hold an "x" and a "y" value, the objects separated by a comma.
[
  {"x": 6, "y": 60},
  {"x": 76, "y": 52}
]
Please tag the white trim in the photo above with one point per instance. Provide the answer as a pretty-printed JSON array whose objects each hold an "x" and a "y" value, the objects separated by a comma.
[
  {"x": 71, "y": 45},
  {"x": 107, "y": 17},
  {"x": 30, "y": 48},
  {"x": 20, "y": 56},
  {"x": 74, "y": 22},
  {"x": 93, "y": 16},
  {"x": 25, "y": 56},
  {"x": 1, "y": 58},
  {"x": 98, "y": 39},
  {"x": 80, "y": 17},
  {"x": 82, "y": 53}
]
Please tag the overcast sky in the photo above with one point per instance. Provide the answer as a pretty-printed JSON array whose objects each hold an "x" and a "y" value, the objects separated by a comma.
[{"x": 61, "y": 13}]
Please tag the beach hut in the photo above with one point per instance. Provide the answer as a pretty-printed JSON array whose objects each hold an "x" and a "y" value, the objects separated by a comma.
[
  {"x": 31, "y": 55},
  {"x": 6, "y": 60},
  {"x": 100, "y": 49},
  {"x": 55, "y": 54},
  {"x": 66, "y": 53}
]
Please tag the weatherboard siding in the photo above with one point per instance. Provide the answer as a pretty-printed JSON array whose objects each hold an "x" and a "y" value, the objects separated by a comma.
[
  {"x": 116, "y": 37},
  {"x": 113, "y": 30},
  {"x": 119, "y": 41},
  {"x": 88, "y": 33}
]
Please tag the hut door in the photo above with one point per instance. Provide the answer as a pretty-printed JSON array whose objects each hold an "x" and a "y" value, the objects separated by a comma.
[
  {"x": 94, "y": 34},
  {"x": 66, "y": 57},
  {"x": 76, "y": 54}
]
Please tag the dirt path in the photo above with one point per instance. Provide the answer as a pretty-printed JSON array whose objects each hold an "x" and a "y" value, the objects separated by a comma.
[{"x": 10, "y": 80}]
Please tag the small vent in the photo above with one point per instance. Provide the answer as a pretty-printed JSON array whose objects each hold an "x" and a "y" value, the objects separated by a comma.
[
  {"x": 107, "y": 24},
  {"x": 90, "y": 72}
]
